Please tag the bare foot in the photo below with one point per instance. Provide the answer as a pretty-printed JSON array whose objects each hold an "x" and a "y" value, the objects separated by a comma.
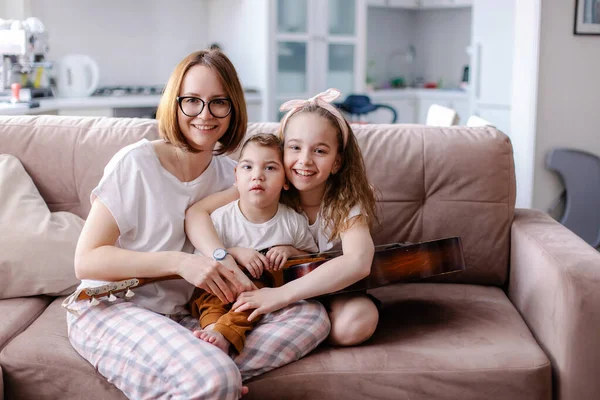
[{"x": 213, "y": 337}]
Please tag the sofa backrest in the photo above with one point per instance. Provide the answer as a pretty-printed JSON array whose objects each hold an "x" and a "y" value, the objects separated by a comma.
[
  {"x": 66, "y": 156},
  {"x": 432, "y": 182}
]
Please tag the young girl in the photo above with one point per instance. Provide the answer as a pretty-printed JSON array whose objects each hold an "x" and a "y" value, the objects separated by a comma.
[
  {"x": 144, "y": 345},
  {"x": 324, "y": 165}
]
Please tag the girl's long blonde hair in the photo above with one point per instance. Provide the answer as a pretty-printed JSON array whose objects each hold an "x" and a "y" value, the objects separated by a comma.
[{"x": 347, "y": 188}]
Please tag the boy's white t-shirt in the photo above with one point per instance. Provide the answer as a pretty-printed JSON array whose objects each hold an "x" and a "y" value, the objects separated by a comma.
[
  {"x": 322, "y": 233},
  {"x": 287, "y": 227},
  {"x": 148, "y": 204}
]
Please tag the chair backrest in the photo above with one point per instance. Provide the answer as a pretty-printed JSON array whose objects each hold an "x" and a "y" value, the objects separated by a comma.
[
  {"x": 441, "y": 116},
  {"x": 475, "y": 120}
]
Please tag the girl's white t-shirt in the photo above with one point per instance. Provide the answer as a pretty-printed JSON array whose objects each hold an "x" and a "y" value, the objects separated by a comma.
[
  {"x": 148, "y": 204},
  {"x": 322, "y": 233}
]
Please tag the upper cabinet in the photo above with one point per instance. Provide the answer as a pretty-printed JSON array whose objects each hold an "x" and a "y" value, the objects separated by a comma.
[
  {"x": 318, "y": 44},
  {"x": 420, "y": 4}
]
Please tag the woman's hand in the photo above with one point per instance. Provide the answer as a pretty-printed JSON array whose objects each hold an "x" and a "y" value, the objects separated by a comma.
[
  {"x": 250, "y": 259},
  {"x": 278, "y": 256},
  {"x": 214, "y": 277},
  {"x": 264, "y": 301}
]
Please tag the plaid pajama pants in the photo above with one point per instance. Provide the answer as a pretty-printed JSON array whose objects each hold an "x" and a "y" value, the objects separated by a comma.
[{"x": 150, "y": 356}]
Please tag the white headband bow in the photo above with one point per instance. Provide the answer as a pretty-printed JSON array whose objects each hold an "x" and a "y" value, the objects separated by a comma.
[{"x": 322, "y": 100}]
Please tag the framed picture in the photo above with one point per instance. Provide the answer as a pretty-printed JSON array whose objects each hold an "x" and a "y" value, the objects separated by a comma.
[{"x": 587, "y": 17}]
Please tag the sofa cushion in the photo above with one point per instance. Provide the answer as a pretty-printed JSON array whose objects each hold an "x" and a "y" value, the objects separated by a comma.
[
  {"x": 18, "y": 314},
  {"x": 37, "y": 246},
  {"x": 41, "y": 364},
  {"x": 434, "y": 341},
  {"x": 440, "y": 182},
  {"x": 66, "y": 156}
]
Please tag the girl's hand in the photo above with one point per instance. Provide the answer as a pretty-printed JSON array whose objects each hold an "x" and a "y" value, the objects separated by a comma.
[
  {"x": 264, "y": 301},
  {"x": 278, "y": 256},
  {"x": 250, "y": 259},
  {"x": 213, "y": 277}
]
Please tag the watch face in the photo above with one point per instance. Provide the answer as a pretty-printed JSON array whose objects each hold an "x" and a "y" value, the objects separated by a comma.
[{"x": 219, "y": 254}]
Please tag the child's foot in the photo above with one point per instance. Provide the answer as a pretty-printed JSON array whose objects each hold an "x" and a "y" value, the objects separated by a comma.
[{"x": 213, "y": 337}]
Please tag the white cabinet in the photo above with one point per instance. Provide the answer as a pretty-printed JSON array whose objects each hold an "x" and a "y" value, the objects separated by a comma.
[
  {"x": 405, "y": 109},
  {"x": 318, "y": 44},
  {"x": 491, "y": 61}
]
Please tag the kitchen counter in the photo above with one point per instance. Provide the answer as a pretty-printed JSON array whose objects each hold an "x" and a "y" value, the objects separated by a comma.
[
  {"x": 411, "y": 93},
  {"x": 94, "y": 102}
]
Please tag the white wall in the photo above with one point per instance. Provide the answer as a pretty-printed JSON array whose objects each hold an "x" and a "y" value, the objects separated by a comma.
[
  {"x": 439, "y": 36},
  {"x": 524, "y": 96},
  {"x": 568, "y": 104},
  {"x": 135, "y": 42}
]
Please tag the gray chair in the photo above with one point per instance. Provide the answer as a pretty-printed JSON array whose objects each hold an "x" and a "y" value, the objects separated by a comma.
[{"x": 580, "y": 172}]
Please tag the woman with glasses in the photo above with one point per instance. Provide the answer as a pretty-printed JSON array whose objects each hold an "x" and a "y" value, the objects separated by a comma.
[{"x": 145, "y": 344}]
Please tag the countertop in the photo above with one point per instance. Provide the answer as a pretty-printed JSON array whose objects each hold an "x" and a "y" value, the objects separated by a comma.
[
  {"x": 124, "y": 101},
  {"x": 410, "y": 93}
]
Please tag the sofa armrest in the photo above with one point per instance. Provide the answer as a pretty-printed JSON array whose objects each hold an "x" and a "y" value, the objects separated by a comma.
[{"x": 555, "y": 284}]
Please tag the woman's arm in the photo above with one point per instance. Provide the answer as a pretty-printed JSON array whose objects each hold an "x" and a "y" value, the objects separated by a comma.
[{"x": 97, "y": 257}]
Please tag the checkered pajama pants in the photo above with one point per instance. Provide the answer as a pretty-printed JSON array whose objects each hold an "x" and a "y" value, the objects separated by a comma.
[{"x": 149, "y": 356}]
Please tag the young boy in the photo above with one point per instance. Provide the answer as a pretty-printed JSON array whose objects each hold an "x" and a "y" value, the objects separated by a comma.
[{"x": 254, "y": 222}]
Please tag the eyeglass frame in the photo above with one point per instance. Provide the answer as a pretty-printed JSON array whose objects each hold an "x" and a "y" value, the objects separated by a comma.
[{"x": 204, "y": 104}]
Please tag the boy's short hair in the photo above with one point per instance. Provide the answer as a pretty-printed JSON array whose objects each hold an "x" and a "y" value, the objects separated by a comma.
[{"x": 264, "y": 140}]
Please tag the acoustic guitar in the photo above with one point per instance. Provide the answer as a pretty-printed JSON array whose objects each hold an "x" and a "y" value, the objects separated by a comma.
[{"x": 392, "y": 263}]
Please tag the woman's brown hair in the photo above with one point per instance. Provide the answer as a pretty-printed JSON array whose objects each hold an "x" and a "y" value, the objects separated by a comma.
[
  {"x": 347, "y": 188},
  {"x": 168, "y": 108}
]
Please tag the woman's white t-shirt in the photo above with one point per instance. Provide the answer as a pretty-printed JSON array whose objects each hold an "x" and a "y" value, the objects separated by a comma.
[
  {"x": 322, "y": 233},
  {"x": 148, "y": 204}
]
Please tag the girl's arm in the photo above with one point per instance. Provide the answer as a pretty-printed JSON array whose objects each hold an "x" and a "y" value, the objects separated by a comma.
[
  {"x": 97, "y": 257},
  {"x": 203, "y": 235},
  {"x": 340, "y": 272},
  {"x": 333, "y": 275},
  {"x": 200, "y": 228}
]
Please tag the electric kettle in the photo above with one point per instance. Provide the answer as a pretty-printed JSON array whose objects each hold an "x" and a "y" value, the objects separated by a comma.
[{"x": 78, "y": 76}]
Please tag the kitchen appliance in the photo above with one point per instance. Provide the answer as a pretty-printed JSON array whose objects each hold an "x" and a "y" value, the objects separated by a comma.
[
  {"x": 23, "y": 49},
  {"x": 78, "y": 76}
]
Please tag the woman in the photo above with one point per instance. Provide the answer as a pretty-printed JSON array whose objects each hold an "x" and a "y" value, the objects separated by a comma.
[{"x": 144, "y": 345}]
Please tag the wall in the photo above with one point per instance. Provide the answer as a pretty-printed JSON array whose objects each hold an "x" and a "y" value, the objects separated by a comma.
[
  {"x": 439, "y": 36},
  {"x": 135, "y": 42},
  {"x": 442, "y": 38},
  {"x": 568, "y": 104},
  {"x": 389, "y": 31}
]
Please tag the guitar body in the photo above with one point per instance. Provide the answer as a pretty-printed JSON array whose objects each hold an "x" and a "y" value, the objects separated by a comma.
[{"x": 392, "y": 263}]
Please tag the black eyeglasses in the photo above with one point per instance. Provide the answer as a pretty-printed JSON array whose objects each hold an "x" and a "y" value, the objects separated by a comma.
[{"x": 192, "y": 106}]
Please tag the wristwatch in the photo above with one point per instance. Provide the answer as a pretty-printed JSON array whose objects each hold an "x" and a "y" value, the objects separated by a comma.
[{"x": 220, "y": 254}]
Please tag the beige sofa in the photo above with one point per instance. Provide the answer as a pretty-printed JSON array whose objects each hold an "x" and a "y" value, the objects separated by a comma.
[{"x": 521, "y": 322}]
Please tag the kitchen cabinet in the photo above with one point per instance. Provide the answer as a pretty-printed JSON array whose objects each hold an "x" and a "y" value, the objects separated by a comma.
[
  {"x": 491, "y": 61},
  {"x": 318, "y": 44}
]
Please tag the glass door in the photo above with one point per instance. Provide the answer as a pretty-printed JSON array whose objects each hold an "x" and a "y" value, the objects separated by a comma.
[{"x": 341, "y": 45}]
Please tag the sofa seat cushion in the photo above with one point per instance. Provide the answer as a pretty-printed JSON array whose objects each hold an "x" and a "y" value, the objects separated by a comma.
[
  {"x": 434, "y": 341},
  {"x": 18, "y": 314},
  {"x": 41, "y": 364}
]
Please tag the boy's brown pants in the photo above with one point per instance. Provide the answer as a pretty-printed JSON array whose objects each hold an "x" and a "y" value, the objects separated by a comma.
[{"x": 232, "y": 325}]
